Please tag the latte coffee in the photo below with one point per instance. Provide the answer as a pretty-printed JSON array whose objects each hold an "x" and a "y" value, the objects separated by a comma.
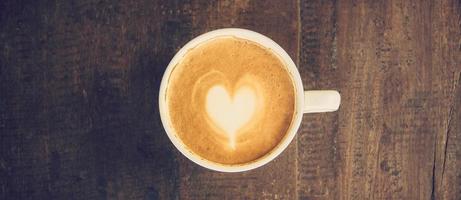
[{"x": 230, "y": 100}]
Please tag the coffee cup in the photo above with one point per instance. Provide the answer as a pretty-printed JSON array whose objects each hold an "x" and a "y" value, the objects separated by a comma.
[{"x": 312, "y": 101}]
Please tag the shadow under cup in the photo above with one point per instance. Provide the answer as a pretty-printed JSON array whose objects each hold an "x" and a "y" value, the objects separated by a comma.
[{"x": 290, "y": 67}]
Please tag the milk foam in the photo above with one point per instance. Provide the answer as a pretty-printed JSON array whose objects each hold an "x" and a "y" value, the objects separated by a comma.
[{"x": 230, "y": 100}]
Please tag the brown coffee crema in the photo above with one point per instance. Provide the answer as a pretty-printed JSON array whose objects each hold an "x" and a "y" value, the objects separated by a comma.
[{"x": 254, "y": 96}]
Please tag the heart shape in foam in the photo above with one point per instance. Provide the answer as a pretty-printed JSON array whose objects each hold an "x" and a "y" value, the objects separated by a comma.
[{"x": 230, "y": 113}]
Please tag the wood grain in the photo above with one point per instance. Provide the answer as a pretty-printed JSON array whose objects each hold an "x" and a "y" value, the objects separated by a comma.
[
  {"x": 79, "y": 87},
  {"x": 448, "y": 178},
  {"x": 396, "y": 64},
  {"x": 317, "y": 138}
]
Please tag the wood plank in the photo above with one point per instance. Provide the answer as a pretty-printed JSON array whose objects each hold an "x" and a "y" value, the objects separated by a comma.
[
  {"x": 413, "y": 91},
  {"x": 79, "y": 89},
  {"x": 396, "y": 76},
  {"x": 448, "y": 178},
  {"x": 447, "y": 47},
  {"x": 317, "y": 138},
  {"x": 276, "y": 180}
]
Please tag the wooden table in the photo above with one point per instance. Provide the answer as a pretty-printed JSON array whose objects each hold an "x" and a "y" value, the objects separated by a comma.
[{"x": 79, "y": 85}]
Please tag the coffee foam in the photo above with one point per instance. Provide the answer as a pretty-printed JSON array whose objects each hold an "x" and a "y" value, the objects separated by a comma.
[{"x": 230, "y": 100}]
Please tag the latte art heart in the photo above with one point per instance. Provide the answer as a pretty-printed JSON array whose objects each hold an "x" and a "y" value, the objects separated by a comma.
[{"x": 230, "y": 113}]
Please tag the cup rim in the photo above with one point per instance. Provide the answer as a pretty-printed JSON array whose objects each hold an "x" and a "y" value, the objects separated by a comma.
[{"x": 261, "y": 40}]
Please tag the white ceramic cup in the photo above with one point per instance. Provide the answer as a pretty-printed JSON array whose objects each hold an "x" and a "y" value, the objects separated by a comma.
[{"x": 313, "y": 101}]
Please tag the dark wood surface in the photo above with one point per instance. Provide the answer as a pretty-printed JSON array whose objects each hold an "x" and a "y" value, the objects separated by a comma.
[{"x": 79, "y": 85}]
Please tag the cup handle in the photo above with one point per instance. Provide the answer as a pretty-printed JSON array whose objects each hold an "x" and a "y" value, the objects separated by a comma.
[{"x": 316, "y": 101}]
